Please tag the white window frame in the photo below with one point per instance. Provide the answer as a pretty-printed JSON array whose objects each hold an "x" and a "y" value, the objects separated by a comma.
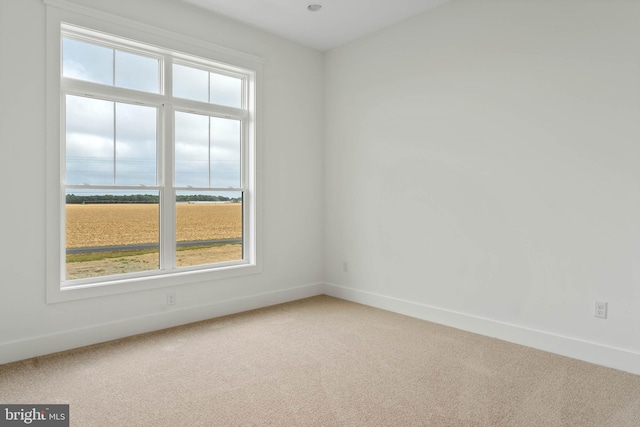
[{"x": 65, "y": 18}]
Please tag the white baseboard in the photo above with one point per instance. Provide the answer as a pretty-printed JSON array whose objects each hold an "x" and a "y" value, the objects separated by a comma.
[
  {"x": 616, "y": 358},
  {"x": 52, "y": 343},
  {"x": 599, "y": 354}
]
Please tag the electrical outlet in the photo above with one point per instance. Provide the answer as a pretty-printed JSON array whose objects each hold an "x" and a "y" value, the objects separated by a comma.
[
  {"x": 600, "y": 309},
  {"x": 171, "y": 298},
  {"x": 345, "y": 266}
]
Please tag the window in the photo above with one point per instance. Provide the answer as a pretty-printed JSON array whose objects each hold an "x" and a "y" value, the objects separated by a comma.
[{"x": 156, "y": 165}]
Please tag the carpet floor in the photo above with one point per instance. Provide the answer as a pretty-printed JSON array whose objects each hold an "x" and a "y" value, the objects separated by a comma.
[{"x": 322, "y": 361}]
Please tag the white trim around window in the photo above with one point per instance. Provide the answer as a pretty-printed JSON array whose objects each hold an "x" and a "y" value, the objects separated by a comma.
[{"x": 64, "y": 18}]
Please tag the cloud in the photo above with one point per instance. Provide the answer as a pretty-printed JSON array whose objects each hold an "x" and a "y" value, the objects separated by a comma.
[
  {"x": 86, "y": 61},
  {"x": 90, "y": 62},
  {"x": 204, "y": 86},
  {"x": 95, "y": 155},
  {"x": 137, "y": 72},
  {"x": 89, "y": 159},
  {"x": 204, "y": 162},
  {"x": 226, "y": 90},
  {"x": 111, "y": 143},
  {"x": 190, "y": 83}
]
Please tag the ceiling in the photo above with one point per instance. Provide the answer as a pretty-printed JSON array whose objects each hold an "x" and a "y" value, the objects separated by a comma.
[{"x": 338, "y": 22}]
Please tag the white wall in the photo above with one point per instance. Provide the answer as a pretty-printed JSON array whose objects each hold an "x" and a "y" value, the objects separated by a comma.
[
  {"x": 292, "y": 186},
  {"x": 479, "y": 170},
  {"x": 481, "y": 167}
]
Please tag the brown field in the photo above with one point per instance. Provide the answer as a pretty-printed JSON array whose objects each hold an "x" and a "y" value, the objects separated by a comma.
[{"x": 129, "y": 224}]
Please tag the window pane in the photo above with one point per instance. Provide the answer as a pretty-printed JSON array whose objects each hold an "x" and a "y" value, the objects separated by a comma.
[
  {"x": 86, "y": 61},
  {"x": 137, "y": 72},
  {"x": 226, "y": 90},
  {"x": 135, "y": 145},
  {"x": 208, "y": 227},
  {"x": 111, "y": 233},
  {"x": 225, "y": 153},
  {"x": 89, "y": 141},
  {"x": 190, "y": 83},
  {"x": 191, "y": 150}
]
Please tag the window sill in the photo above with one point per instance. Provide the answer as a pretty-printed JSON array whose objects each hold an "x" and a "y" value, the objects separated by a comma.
[{"x": 115, "y": 286}]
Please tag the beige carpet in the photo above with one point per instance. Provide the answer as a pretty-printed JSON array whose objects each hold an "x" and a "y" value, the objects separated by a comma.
[{"x": 326, "y": 362}]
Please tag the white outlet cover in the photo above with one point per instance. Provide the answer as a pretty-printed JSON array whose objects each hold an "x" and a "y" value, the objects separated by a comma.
[{"x": 600, "y": 309}]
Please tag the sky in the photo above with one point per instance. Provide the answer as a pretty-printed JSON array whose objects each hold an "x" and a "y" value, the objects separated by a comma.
[{"x": 114, "y": 143}]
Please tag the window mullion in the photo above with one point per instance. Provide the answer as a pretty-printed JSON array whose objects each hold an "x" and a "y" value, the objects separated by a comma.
[
  {"x": 167, "y": 198},
  {"x": 115, "y": 143},
  {"x": 209, "y": 150},
  {"x": 247, "y": 204},
  {"x": 166, "y": 166}
]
